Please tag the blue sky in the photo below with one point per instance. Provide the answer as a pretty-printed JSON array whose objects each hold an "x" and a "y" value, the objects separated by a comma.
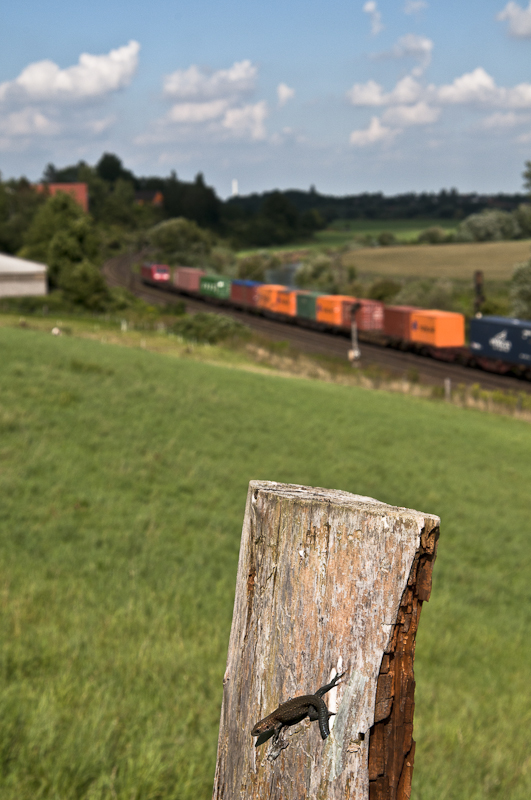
[{"x": 375, "y": 95}]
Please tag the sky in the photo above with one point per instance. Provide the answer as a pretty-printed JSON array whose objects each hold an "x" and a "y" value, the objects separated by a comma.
[{"x": 349, "y": 97}]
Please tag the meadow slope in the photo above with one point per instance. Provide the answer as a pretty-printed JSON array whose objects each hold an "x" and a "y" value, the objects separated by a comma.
[{"x": 123, "y": 477}]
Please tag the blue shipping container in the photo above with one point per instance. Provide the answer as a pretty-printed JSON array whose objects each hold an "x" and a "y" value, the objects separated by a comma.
[{"x": 501, "y": 338}]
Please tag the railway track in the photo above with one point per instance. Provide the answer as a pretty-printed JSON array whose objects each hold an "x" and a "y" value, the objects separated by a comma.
[{"x": 118, "y": 272}]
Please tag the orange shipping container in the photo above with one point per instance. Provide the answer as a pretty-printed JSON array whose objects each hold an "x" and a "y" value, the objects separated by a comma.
[
  {"x": 438, "y": 328},
  {"x": 267, "y": 296}
]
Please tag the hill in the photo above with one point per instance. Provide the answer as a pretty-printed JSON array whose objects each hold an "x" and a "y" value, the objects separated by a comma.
[{"x": 123, "y": 475}]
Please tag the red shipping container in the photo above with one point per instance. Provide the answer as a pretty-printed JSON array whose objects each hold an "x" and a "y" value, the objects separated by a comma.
[
  {"x": 244, "y": 293},
  {"x": 188, "y": 278},
  {"x": 397, "y": 321},
  {"x": 335, "y": 309}
]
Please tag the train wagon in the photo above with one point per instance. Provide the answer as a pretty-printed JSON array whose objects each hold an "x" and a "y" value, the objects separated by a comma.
[
  {"x": 287, "y": 301},
  {"x": 501, "y": 339},
  {"x": 335, "y": 310},
  {"x": 155, "y": 274},
  {"x": 267, "y": 296},
  {"x": 188, "y": 279},
  {"x": 437, "y": 328},
  {"x": 215, "y": 286},
  {"x": 397, "y": 321},
  {"x": 306, "y": 304},
  {"x": 244, "y": 293}
]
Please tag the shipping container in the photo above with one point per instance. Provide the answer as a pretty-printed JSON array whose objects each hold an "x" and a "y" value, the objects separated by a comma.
[
  {"x": 215, "y": 286},
  {"x": 397, "y": 321},
  {"x": 438, "y": 328},
  {"x": 267, "y": 295},
  {"x": 501, "y": 338},
  {"x": 188, "y": 278},
  {"x": 244, "y": 293},
  {"x": 155, "y": 273},
  {"x": 335, "y": 309},
  {"x": 306, "y": 304},
  {"x": 287, "y": 301}
]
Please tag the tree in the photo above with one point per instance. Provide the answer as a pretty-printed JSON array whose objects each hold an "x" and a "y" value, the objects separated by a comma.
[
  {"x": 55, "y": 215},
  {"x": 181, "y": 241},
  {"x": 110, "y": 168},
  {"x": 526, "y": 175},
  {"x": 19, "y": 202},
  {"x": 520, "y": 291}
]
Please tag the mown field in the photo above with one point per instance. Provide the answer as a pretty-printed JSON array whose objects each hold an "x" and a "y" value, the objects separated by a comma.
[
  {"x": 123, "y": 477},
  {"x": 458, "y": 261}
]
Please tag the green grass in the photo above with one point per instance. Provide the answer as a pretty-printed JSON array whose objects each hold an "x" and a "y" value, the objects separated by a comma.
[
  {"x": 405, "y": 230},
  {"x": 123, "y": 477}
]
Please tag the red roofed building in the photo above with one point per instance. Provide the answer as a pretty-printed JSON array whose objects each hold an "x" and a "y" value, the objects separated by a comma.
[{"x": 78, "y": 191}]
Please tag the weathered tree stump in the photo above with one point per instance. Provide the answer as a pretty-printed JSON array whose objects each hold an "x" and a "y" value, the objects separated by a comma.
[{"x": 327, "y": 582}]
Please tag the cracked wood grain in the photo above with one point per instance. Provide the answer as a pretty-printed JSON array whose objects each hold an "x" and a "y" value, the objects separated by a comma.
[{"x": 327, "y": 581}]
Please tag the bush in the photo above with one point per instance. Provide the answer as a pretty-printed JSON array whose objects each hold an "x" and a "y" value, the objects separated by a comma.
[
  {"x": 427, "y": 294},
  {"x": 384, "y": 290},
  {"x": 433, "y": 235},
  {"x": 209, "y": 328},
  {"x": 489, "y": 226},
  {"x": 255, "y": 266},
  {"x": 520, "y": 291},
  {"x": 387, "y": 239},
  {"x": 326, "y": 273}
]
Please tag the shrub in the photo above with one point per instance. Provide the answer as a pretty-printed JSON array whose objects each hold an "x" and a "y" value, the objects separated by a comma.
[
  {"x": 520, "y": 291},
  {"x": 326, "y": 273},
  {"x": 489, "y": 226},
  {"x": 386, "y": 239},
  {"x": 433, "y": 235},
  {"x": 209, "y": 328}
]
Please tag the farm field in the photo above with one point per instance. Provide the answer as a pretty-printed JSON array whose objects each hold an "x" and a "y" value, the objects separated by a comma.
[
  {"x": 123, "y": 476},
  {"x": 343, "y": 232},
  {"x": 496, "y": 259}
]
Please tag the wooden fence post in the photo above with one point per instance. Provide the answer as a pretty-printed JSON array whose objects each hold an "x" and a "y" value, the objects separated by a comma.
[{"x": 327, "y": 582}]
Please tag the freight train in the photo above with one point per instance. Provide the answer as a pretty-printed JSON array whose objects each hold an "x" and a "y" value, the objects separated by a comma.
[{"x": 497, "y": 344}]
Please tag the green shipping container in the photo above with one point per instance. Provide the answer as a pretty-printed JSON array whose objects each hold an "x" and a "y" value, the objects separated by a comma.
[
  {"x": 306, "y": 304},
  {"x": 215, "y": 286}
]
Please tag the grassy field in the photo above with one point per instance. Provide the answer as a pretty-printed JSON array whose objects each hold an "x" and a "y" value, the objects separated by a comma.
[
  {"x": 496, "y": 259},
  {"x": 123, "y": 477},
  {"x": 405, "y": 230}
]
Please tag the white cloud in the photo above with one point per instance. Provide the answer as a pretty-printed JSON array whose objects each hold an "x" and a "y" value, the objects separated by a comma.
[
  {"x": 93, "y": 76},
  {"x": 407, "y": 90},
  {"x": 502, "y": 121},
  {"x": 192, "y": 113},
  {"x": 411, "y": 46},
  {"x": 414, "y": 6},
  {"x": 212, "y": 105},
  {"x": 478, "y": 87},
  {"x": 371, "y": 8},
  {"x": 418, "y": 114},
  {"x": 247, "y": 121},
  {"x": 28, "y": 122},
  {"x": 367, "y": 94},
  {"x": 284, "y": 93},
  {"x": 376, "y": 132},
  {"x": 195, "y": 84},
  {"x": 519, "y": 19}
]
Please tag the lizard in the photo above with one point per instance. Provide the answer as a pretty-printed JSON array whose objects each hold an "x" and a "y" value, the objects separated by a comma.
[{"x": 295, "y": 710}]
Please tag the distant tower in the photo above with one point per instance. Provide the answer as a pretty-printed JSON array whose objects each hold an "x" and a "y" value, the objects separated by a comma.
[{"x": 235, "y": 191}]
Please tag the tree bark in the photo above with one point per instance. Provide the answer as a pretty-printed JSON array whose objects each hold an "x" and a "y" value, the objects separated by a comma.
[{"x": 327, "y": 582}]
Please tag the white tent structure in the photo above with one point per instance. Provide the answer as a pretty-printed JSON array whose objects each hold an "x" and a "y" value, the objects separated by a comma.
[{"x": 21, "y": 278}]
